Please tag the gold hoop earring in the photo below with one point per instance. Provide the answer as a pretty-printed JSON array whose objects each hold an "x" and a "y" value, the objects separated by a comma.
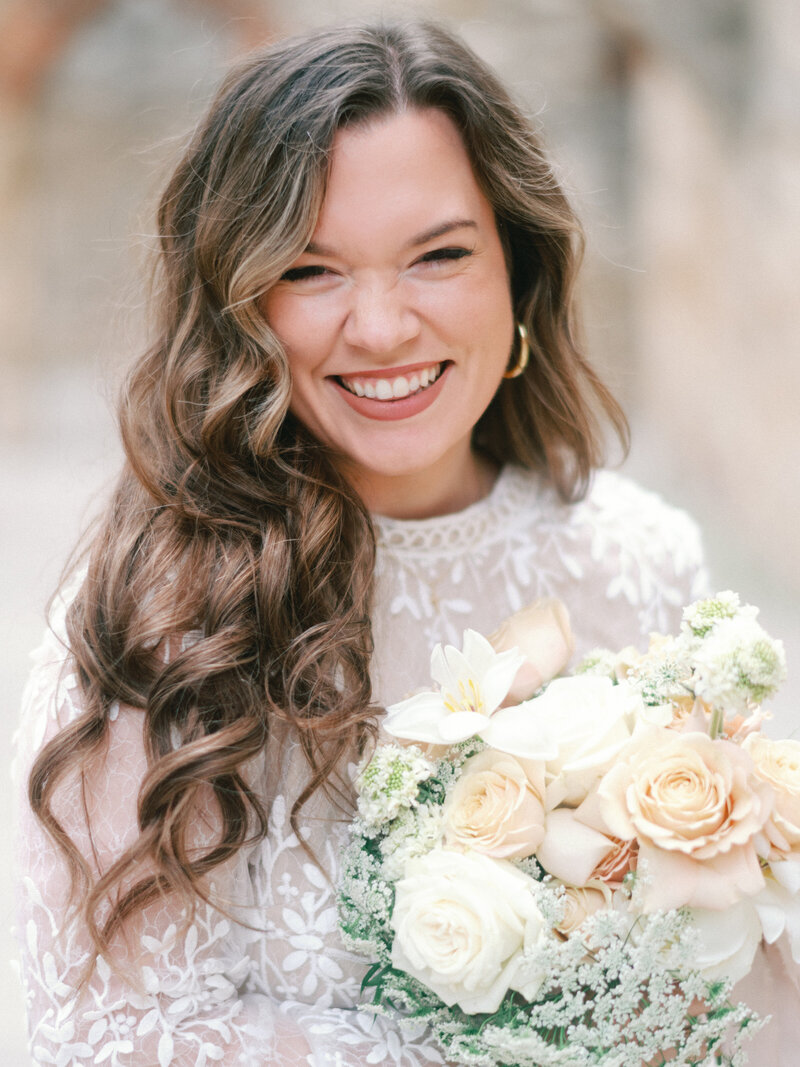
[{"x": 524, "y": 353}]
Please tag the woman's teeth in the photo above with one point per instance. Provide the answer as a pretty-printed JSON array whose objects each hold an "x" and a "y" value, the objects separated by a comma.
[{"x": 393, "y": 388}]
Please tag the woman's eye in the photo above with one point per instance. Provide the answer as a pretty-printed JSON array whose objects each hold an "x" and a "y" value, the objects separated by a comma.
[
  {"x": 299, "y": 274},
  {"x": 440, "y": 255}
]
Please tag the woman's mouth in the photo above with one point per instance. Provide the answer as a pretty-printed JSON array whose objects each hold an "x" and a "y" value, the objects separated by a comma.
[
  {"x": 392, "y": 387},
  {"x": 389, "y": 397}
]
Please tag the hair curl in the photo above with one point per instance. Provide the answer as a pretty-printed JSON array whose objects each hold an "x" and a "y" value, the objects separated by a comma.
[{"x": 230, "y": 522}]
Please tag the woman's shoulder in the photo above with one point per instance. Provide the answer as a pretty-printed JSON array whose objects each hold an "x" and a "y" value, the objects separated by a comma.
[
  {"x": 51, "y": 698},
  {"x": 623, "y": 510},
  {"x": 615, "y": 510},
  {"x": 623, "y": 559}
]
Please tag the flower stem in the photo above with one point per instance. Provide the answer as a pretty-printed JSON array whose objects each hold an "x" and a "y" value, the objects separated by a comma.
[{"x": 717, "y": 724}]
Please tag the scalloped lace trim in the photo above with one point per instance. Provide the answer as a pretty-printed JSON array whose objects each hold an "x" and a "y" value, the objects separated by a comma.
[{"x": 484, "y": 522}]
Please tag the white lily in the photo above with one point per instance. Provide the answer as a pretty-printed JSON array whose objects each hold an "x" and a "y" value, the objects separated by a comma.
[{"x": 472, "y": 685}]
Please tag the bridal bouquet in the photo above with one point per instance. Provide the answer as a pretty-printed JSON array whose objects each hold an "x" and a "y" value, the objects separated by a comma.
[{"x": 576, "y": 871}]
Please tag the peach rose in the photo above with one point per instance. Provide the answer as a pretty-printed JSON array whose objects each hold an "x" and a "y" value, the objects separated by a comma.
[
  {"x": 542, "y": 633},
  {"x": 621, "y": 860},
  {"x": 778, "y": 763},
  {"x": 578, "y": 847},
  {"x": 581, "y": 902},
  {"x": 496, "y": 806},
  {"x": 571, "y": 850},
  {"x": 695, "y": 805},
  {"x": 624, "y": 662}
]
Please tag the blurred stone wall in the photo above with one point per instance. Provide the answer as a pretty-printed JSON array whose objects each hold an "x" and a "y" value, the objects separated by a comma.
[{"x": 676, "y": 127}]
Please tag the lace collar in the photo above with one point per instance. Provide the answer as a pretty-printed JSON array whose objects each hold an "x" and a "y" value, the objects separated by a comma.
[{"x": 516, "y": 491}]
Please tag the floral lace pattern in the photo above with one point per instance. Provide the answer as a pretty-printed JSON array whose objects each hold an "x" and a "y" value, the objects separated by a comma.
[
  {"x": 622, "y": 561},
  {"x": 277, "y": 986}
]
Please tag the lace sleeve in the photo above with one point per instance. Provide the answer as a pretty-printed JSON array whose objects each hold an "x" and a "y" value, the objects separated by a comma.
[{"x": 177, "y": 995}]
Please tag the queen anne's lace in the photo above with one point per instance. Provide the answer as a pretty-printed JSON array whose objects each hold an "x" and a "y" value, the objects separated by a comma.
[{"x": 221, "y": 992}]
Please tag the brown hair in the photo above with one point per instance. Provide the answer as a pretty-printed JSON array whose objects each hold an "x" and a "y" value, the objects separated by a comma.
[{"x": 230, "y": 522}]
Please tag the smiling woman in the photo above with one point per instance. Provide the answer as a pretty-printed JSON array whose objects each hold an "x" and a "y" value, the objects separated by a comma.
[{"x": 365, "y": 424}]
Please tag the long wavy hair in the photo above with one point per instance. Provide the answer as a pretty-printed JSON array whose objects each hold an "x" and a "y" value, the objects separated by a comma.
[{"x": 230, "y": 522}]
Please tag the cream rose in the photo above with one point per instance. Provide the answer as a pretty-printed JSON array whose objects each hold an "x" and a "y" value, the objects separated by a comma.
[
  {"x": 778, "y": 763},
  {"x": 542, "y": 633},
  {"x": 496, "y": 807},
  {"x": 695, "y": 806},
  {"x": 461, "y": 922}
]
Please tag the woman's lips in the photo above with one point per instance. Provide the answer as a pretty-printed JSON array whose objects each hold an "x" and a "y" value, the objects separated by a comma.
[
  {"x": 392, "y": 385},
  {"x": 395, "y": 395}
]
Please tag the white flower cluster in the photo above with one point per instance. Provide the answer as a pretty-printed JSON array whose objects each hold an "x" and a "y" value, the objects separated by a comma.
[
  {"x": 389, "y": 782},
  {"x": 365, "y": 900},
  {"x": 664, "y": 674},
  {"x": 601, "y": 661},
  {"x": 702, "y": 616},
  {"x": 738, "y": 664},
  {"x": 722, "y": 655},
  {"x": 413, "y": 833}
]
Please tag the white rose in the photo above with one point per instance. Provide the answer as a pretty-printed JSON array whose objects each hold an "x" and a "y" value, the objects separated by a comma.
[
  {"x": 496, "y": 806},
  {"x": 541, "y": 632},
  {"x": 728, "y": 940},
  {"x": 577, "y": 726},
  {"x": 778, "y": 905},
  {"x": 461, "y": 922},
  {"x": 586, "y": 720}
]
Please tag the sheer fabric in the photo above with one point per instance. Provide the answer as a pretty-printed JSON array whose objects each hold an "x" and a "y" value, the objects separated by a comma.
[{"x": 277, "y": 987}]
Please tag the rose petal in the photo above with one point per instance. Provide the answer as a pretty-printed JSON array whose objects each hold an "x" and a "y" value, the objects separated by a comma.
[
  {"x": 571, "y": 851},
  {"x": 787, "y": 872},
  {"x": 675, "y": 880},
  {"x": 542, "y": 634},
  {"x": 728, "y": 940}
]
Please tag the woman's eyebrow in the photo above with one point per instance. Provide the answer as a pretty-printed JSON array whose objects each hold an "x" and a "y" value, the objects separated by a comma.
[
  {"x": 441, "y": 230},
  {"x": 315, "y": 249}
]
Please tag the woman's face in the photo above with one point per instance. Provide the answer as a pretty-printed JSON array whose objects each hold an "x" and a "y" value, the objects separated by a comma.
[{"x": 397, "y": 317}]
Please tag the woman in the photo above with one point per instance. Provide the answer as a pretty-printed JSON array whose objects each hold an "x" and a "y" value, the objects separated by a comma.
[{"x": 366, "y": 336}]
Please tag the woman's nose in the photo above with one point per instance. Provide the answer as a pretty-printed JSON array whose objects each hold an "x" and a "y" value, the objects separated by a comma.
[{"x": 379, "y": 320}]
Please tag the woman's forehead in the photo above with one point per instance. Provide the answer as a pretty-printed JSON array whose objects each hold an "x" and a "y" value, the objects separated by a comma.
[{"x": 408, "y": 172}]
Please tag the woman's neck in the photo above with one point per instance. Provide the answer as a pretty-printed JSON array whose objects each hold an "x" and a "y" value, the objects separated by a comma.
[{"x": 456, "y": 484}]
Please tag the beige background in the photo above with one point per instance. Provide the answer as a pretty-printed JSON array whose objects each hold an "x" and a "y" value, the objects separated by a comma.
[{"x": 677, "y": 128}]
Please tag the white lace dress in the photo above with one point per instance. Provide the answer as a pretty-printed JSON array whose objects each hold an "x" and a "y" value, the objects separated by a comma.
[{"x": 283, "y": 991}]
